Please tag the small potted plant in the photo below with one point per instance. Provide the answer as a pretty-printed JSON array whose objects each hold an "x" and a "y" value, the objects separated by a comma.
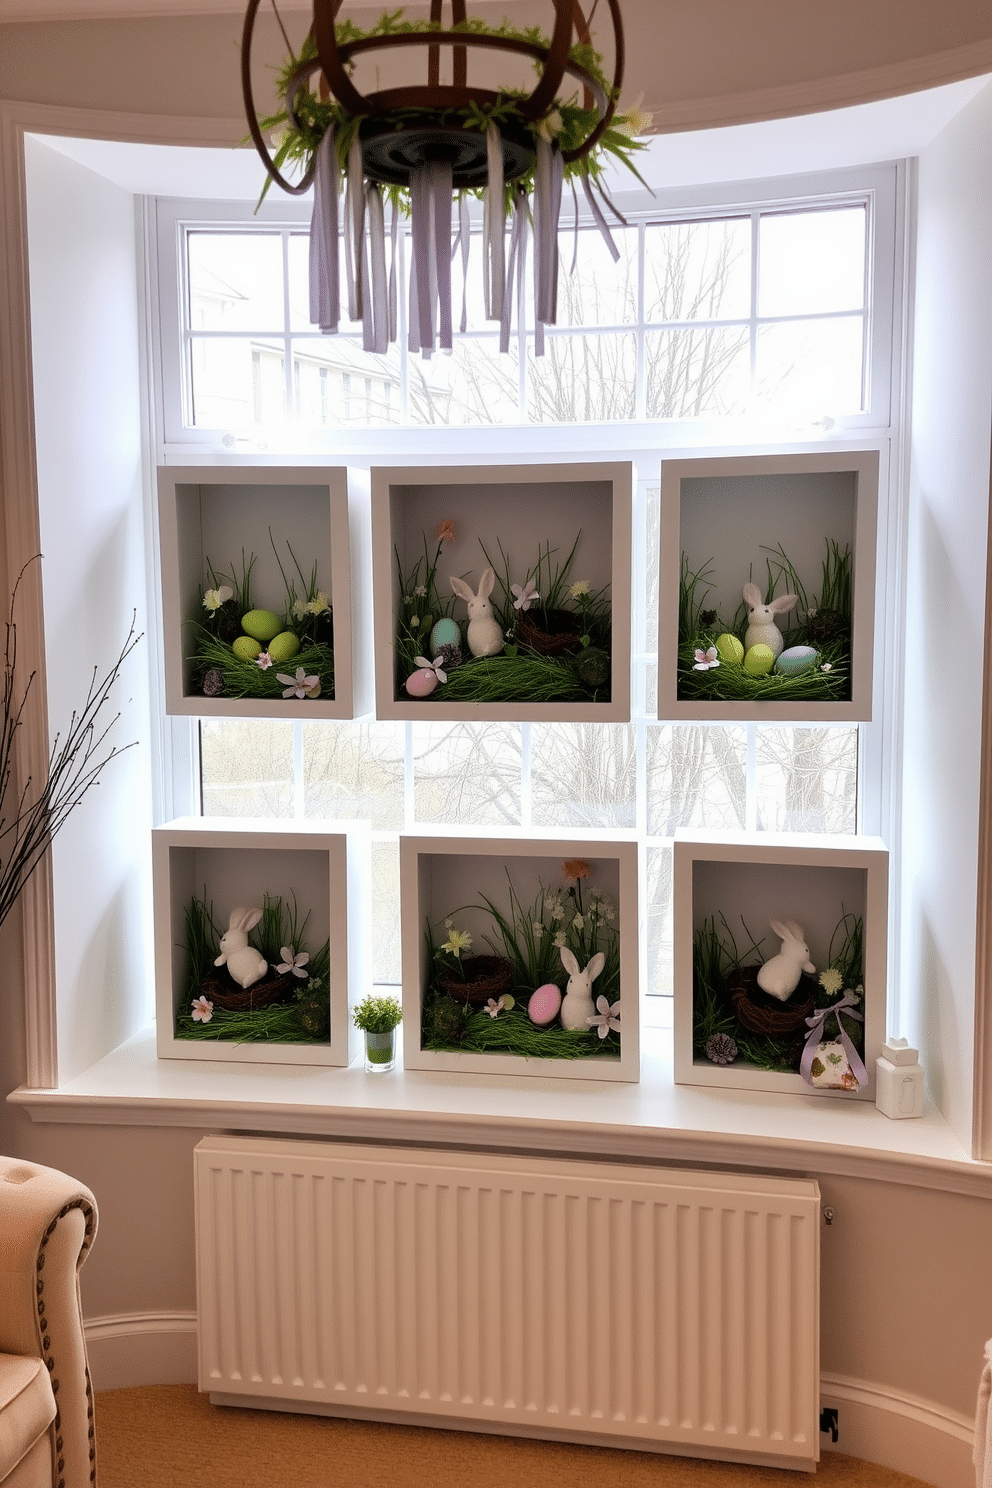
[{"x": 378, "y": 1018}]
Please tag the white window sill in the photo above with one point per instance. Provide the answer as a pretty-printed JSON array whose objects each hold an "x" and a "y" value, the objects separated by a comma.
[{"x": 654, "y": 1120}]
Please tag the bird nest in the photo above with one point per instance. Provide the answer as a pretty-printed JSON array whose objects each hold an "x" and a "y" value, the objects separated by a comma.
[
  {"x": 220, "y": 988},
  {"x": 485, "y": 977},
  {"x": 760, "y": 1013}
]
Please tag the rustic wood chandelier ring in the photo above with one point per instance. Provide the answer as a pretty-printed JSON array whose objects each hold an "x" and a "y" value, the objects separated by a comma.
[{"x": 390, "y": 154}]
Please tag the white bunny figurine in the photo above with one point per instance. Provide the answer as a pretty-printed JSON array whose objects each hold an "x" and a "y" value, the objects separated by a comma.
[
  {"x": 761, "y": 627},
  {"x": 485, "y": 638},
  {"x": 779, "y": 976},
  {"x": 577, "y": 1005},
  {"x": 244, "y": 963}
]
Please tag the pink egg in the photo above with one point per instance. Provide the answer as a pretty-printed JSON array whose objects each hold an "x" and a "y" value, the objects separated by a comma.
[
  {"x": 544, "y": 1004},
  {"x": 421, "y": 684}
]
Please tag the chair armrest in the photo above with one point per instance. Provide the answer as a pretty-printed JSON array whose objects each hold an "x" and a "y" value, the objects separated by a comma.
[{"x": 47, "y": 1224}]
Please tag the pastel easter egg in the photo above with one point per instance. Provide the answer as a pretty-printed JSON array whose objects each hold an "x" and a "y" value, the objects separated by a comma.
[
  {"x": 421, "y": 684},
  {"x": 283, "y": 646},
  {"x": 797, "y": 659},
  {"x": 759, "y": 661},
  {"x": 262, "y": 624},
  {"x": 544, "y": 1004},
  {"x": 729, "y": 648},
  {"x": 445, "y": 633},
  {"x": 246, "y": 648}
]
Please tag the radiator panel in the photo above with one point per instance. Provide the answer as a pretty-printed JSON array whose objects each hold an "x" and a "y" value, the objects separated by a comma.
[{"x": 667, "y": 1308}]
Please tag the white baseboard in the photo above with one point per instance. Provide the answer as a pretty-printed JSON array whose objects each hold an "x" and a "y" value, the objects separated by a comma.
[
  {"x": 142, "y": 1348},
  {"x": 900, "y": 1431},
  {"x": 877, "y": 1424}
]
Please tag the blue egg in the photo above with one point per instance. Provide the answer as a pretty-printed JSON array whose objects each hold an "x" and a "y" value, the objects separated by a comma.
[
  {"x": 797, "y": 659},
  {"x": 445, "y": 633}
]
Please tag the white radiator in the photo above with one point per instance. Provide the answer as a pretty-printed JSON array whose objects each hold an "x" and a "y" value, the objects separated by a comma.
[{"x": 659, "y": 1309}]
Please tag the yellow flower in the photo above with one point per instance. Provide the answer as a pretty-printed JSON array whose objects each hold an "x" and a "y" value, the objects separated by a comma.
[
  {"x": 457, "y": 941},
  {"x": 634, "y": 121}
]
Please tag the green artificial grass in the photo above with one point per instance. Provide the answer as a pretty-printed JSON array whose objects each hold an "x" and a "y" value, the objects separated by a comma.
[
  {"x": 278, "y": 1024},
  {"x": 243, "y": 679}
]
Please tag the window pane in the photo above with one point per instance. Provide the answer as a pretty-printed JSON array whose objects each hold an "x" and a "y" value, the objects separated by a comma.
[
  {"x": 237, "y": 383},
  {"x": 599, "y": 291},
  {"x": 696, "y": 777},
  {"x": 299, "y": 287},
  {"x": 354, "y": 770},
  {"x": 474, "y": 385},
  {"x": 658, "y": 912},
  {"x": 386, "y": 912},
  {"x": 235, "y": 282},
  {"x": 582, "y": 379},
  {"x": 807, "y": 779},
  {"x": 583, "y": 774},
  {"x": 467, "y": 772},
  {"x": 811, "y": 262},
  {"x": 696, "y": 374},
  {"x": 338, "y": 385},
  {"x": 247, "y": 767},
  {"x": 810, "y": 367},
  {"x": 698, "y": 270}
]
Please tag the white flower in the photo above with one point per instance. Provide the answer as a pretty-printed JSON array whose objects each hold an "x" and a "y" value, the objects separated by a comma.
[
  {"x": 318, "y": 604},
  {"x": 578, "y": 922},
  {"x": 560, "y": 939},
  {"x": 526, "y": 594},
  {"x": 449, "y": 924},
  {"x": 278, "y": 137},
  {"x": 633, "y": 121},
  {"x": 609, "y": 1016},
  {"x": 421, "y": 591},
  {"x": 203, "y": 1010},
  {"x": 705, "y": 660},
  {"x": 827, "y": 667},
  {"x": 299, "y": 686},
  {"x": 214, "y": 598},
  {"x": 299, "y": 608},
  {"x": 556, "y": 909},
  {"x": 263, "y": 660},
  {"x": 434, "y": 666},
  {"x": 292, "y": 962},
  {"x": 550, "y": 126},
  {"x": 537, "y": 928},
  {"x": 493, "y": 1008},
  {"x": 580, "y": 589},
  {"x": 831, "y": 981}
]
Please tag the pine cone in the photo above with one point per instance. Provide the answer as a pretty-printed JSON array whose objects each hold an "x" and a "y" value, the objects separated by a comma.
[
  {"x": 451, "y": 656},
  {"x": 213, "y": 682},
  {"x": 721, "y": 1049}
]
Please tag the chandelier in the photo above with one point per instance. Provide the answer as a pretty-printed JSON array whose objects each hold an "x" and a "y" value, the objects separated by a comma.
[{"x": 427, "y": 148}]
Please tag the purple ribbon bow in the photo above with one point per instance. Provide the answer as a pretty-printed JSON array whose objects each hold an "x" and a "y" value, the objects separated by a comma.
[{"x": 847, "y": 1004}]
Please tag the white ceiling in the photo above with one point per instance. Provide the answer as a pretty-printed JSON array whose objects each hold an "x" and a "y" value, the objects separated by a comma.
[{"x": 890, "y": 129}]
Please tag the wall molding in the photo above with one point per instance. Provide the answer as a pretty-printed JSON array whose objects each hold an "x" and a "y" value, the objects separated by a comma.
[
  {"x": 901, "y": 1431},
  {"x": 142, "y": 1348}
]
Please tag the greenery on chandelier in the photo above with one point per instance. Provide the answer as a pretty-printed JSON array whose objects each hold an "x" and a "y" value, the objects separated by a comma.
[{"x": 565, "y": 121}]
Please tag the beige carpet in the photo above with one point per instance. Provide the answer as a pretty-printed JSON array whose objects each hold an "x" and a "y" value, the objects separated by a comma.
[{"x": 169, "y": 1436}]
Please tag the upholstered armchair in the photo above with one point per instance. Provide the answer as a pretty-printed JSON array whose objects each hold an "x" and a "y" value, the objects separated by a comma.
[{"x": 47, "y": 1224}]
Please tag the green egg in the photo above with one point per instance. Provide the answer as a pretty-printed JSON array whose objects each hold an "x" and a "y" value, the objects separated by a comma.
[
  {"x": 261, "y": 624},
  {"x": 759, "y": 661},
  {"x": 283, "y": 646},
  {"x": 729, "y": 648},
  {"x": 445, "y": 633},
  {"x": 246, "y": 648}
]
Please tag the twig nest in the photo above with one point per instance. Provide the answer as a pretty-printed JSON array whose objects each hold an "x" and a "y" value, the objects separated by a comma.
[
  {"x": 550, "y": 632},
  {"x": 762, "y": 1013},
  {"x": 262, "y": 625},
  {"x": 729, "y": 649},
  {"x": 213, "y": 682},
  {"x": 246, "y": 648},
  {"x": 485, "y": 977},
  {"x": 592, "y": 667}
]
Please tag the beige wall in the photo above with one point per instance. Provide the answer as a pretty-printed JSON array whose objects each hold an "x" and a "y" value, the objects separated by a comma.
[{"x": 906, "y": 1297}]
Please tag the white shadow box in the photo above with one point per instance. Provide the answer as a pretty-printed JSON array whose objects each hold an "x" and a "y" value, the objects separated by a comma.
[
  {"x": 322, "y": 877},
  {"x": 219, "y": 517},
  {"x": 732, "y": 886},
  {"x": 445, "y": 885},
  {"x": 572, "y": 660},
  {"x": 769, "y": 520}
]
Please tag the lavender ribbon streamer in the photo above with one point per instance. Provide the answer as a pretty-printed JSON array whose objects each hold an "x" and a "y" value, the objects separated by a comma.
[
  {"x": 354, "y": 228},
  {"x": 325, "y": 298},
  {"x": 375, "y": 317},
  {"x": 517, "y": 260},
  {"x": 440, "y": 185},
  {"x": 494, "y": 227},
  {"x": 393, "y": 241},
  {"x": 548, "y": 178},
  {"x": 848, "y": 1005},
  {"x": 421, "y": 329},
  {"x": 463, "y": 240}
]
